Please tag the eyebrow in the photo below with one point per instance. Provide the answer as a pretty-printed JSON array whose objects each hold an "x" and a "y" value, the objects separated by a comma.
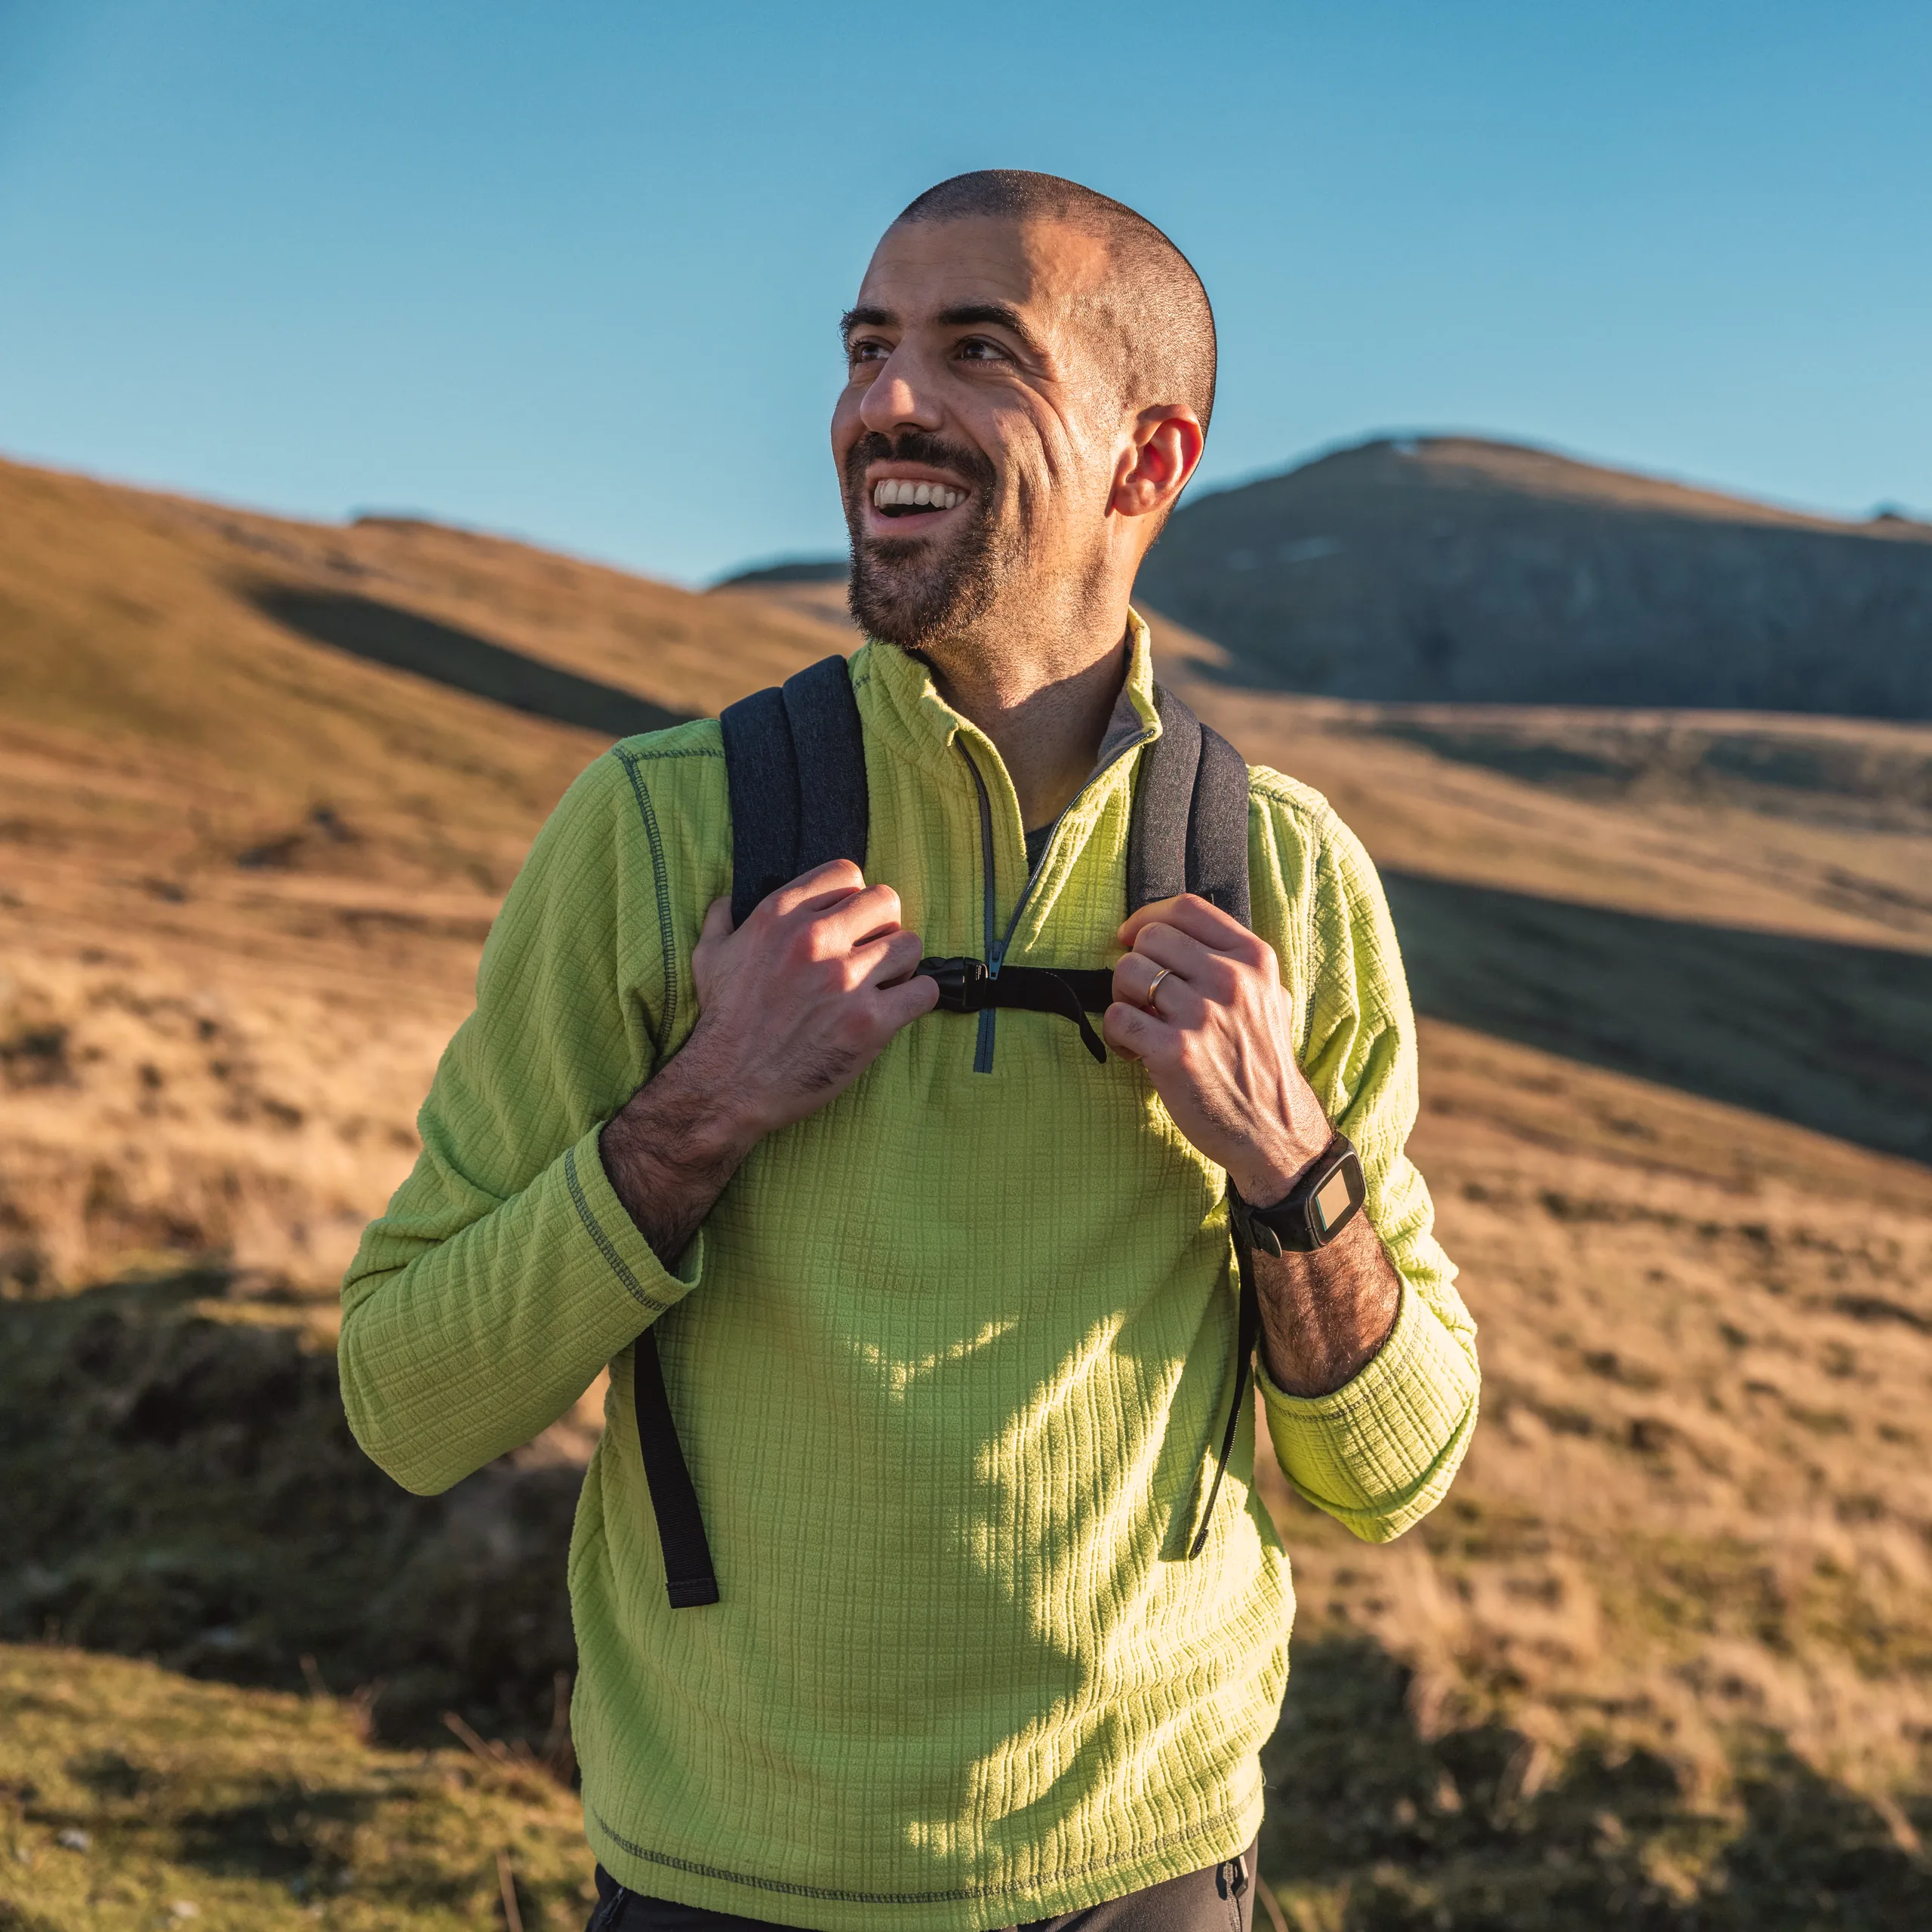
[
  {"x": 1000, "y": 314},
  {"x": 961, "y": 315}
]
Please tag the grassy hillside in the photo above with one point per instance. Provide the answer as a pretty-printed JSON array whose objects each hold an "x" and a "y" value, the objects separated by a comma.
[
  {"x": 131, "y": 1798},
  {"x": 1660, "y": 1661},
  {"x": 1447, "y": 567},
  {"x": 247, "y": 853}
]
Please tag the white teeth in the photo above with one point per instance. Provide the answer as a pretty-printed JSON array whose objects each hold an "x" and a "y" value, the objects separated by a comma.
[{"x": 897, "y": 493}]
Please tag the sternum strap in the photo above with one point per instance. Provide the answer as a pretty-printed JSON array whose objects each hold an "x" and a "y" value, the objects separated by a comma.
[{"x": 967, "y": 986}]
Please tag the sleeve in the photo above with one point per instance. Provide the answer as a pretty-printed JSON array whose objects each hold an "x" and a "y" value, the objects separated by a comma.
[
  {"x": 1379, "y": 1453},
  {"x": 504, "y": 1273}
]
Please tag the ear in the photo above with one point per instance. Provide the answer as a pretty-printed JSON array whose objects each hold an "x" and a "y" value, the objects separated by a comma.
[{"x": 1154, "y": 468}]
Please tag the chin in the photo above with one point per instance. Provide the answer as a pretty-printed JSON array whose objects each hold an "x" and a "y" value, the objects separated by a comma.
[{"x": 902, "y": 592}]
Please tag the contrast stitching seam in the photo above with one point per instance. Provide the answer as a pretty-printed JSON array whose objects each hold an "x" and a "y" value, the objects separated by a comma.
[
  {"x": 619, "y": 1266},
  {"x": 1065, "y": 1872},
  {"x": 666, "y": 932}
]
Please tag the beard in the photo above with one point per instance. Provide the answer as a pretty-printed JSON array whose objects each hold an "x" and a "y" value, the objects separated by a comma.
[{"x": 914, "y": 591}]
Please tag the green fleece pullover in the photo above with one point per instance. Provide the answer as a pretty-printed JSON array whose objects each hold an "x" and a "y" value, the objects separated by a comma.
[{"x": 950, "y": 1359}]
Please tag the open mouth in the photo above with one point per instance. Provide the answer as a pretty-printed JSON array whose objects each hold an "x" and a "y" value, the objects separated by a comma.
[{"x": 897, "y": 497}]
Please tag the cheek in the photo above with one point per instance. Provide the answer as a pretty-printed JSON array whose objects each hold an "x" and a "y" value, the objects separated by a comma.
[{"x": 845, "y": 424}]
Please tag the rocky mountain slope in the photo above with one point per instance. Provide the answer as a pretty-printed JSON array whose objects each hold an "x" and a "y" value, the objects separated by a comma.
[{"x": 1450, "y": 568}]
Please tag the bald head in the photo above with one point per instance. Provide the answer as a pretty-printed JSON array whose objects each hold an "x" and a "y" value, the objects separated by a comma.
[{"x": 1151, "y": 314}]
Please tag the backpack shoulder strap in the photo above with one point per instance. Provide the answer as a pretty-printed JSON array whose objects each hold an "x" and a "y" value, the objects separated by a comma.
[
  {"x": 1189, "y": 832},
  {"x": 795, "y": 765}
]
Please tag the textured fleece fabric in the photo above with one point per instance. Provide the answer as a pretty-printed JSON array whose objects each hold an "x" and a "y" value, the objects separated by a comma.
[{"x": 950, "y": 1359}]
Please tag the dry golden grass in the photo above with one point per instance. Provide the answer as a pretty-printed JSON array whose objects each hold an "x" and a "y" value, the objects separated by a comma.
[{"x": 243, "y": 877}]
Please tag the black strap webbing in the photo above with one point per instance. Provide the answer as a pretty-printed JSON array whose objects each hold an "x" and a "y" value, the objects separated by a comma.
[
  {"x": 689, "y": 1577},
  {"x": 1072, "y": 992},
  {"x": 1247, "y": 1336}
]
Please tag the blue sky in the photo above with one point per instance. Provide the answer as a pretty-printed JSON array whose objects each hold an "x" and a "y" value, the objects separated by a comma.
[{"x": 572, "y": 270}]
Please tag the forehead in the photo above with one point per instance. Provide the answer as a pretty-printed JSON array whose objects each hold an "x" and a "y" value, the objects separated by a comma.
[{"x": 1044, "y": 268}]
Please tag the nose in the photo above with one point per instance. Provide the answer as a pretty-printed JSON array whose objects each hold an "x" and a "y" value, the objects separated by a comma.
[{"x": 899, "y": 398}]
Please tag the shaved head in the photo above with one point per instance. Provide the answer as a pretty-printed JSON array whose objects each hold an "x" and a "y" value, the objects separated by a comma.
[{"x": 1152, "y": 314}]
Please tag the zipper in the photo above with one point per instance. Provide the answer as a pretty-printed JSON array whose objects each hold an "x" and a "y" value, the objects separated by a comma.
[
  {"x": 605, "y": 1919},
  {"x": 996, "y": 948}
]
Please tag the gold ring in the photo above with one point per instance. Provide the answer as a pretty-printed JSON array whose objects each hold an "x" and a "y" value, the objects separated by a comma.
[{"x": 1152, "y": 1007}]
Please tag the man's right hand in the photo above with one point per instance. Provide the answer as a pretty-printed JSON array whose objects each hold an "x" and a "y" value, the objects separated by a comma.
[
  {"x": 803, "y": 997},
  {"x": 793, "y": 1006}
]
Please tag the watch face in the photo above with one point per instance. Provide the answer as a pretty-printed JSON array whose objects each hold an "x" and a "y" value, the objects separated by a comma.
[{"x": 1331, "y": 1202}]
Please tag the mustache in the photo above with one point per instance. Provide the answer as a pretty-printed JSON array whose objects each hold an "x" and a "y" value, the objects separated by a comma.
[{"x": 919, "y": 446}]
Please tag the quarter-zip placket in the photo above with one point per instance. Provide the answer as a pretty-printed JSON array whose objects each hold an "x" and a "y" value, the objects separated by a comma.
[{"x": 996, "y": 948}]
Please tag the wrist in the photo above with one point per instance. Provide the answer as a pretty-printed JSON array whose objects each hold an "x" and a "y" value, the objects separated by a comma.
[
  {"x": 684, "y": 1118},
  {"x": 1269, "y": 1176}
]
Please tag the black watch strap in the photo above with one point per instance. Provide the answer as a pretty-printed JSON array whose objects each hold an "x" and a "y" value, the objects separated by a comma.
[{"x": 1323, "y": 1201}]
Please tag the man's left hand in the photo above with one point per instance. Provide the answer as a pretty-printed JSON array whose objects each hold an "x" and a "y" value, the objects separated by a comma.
[{"x": 1199, "y": 1000}]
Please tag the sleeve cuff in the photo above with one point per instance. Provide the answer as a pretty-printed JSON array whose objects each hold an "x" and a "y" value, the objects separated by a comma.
[
  {"x": 1378, "y": 1453},
  {"x": 609, "y": 1249}
]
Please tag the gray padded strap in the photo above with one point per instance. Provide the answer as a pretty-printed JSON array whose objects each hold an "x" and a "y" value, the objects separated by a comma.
[
  {"x": 835, "y": 814},
  {"x": 761, "y": 774},
  {"x": 1157, "y": 839},
  {"x": 794, "y": 765},
  {"x": 1217, "y": 827},
  {"x": 1189, "y": 829}
]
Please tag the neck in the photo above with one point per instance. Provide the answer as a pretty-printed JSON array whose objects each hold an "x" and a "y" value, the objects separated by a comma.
[{"x": 1042, "y": 694}]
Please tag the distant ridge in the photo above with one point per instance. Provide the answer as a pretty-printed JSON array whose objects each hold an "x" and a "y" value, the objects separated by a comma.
[
  {"x": 1432, "y": 568},
  {"x": 788, "y": 569}
]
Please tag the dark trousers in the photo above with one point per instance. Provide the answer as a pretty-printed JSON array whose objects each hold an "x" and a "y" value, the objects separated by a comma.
[{"x": 1218, "y": 1898}]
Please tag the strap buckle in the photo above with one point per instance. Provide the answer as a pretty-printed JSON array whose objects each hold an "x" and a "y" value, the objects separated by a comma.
[{"x": 960, "y": 983}]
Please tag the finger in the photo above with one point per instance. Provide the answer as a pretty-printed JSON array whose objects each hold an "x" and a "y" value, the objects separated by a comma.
[
  {"x": 1210, "y": 972},
  {"x": 1131, "y": 1032},
  {"x": 882, "y": 962},
  {"x": 871, "y": 914},
  {"x": 1192, "y": 914},
  {"x": 822, "y": 886},
  {"x": 1134, "y": 977},
  {"x": 717, "y": 922},
  {"x": 1141, "y": 982},
  {"x": 899, "y": 1004}
]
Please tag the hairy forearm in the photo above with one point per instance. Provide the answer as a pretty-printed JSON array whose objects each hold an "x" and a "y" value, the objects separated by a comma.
[
  {"x": 670, "y": 1151},
  {"x": 1323, "y": 1315}
]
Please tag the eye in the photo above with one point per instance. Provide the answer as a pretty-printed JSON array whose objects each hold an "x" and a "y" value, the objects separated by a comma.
[
  {"x": 867, "y": 349},
  {"x": 981, "y": 348}
]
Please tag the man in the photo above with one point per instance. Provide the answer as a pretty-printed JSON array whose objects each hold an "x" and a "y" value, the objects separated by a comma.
[{"x": 946, "y": 1313}]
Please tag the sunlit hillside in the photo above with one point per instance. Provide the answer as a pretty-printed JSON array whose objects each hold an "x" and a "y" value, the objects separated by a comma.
[{"x": 1661, "y": 1660}]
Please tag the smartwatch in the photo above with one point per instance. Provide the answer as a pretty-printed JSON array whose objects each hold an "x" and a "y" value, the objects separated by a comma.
[{"x": 1323, "y": 1201}]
